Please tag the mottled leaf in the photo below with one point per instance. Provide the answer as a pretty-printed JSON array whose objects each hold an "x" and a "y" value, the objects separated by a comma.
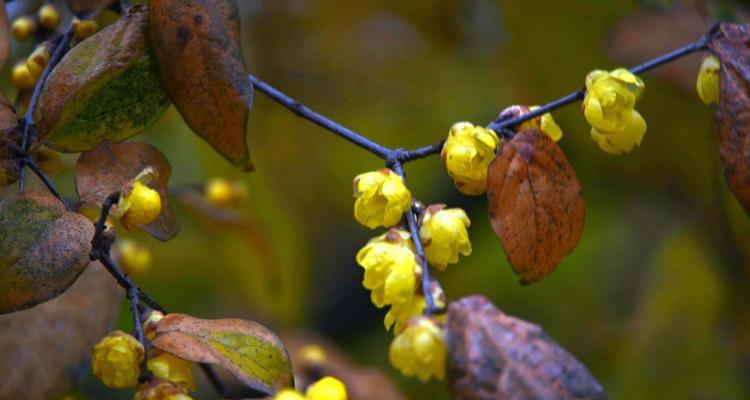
[
  {"x": 43, "y": 249},
  {"x": 10, "y": 166},
  {"x": 8, "y": 117},
  {"x": 535, "y": 203},
  {"x": 4, "y": 35},
  {"x": 201, "y": 64},
  {"x": 492, "y": 355},
  {"x": 88, "y": 6},
  {"x": 107, "y": 169},
  {"x": 251, "y": 352},
  {"x": 733, "y": 113},
  {"x": 105, "y": 88},
  {"x": 48, "y": 345}
]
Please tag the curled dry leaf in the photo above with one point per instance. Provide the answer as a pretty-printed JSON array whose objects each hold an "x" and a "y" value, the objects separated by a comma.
[
  {"x": 201, "y": 64},
  {"x": 251, "y": 352},
  {"x": 43, "y": 249},
  {"x": 733, "y": 113},
  {"x": 105, "y": 88},
  {"x": 4, "y": 35},
  {"x": 107, "y": 169},
  {"x": 48, "y": 344},
  {"x": 88, "y": 6},
  {"x": 492, "y": 355},
  {"x": 535, "y": 203}
]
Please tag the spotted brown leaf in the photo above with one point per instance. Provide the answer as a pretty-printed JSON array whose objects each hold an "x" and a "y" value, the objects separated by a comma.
[
  {"x": 535, "y": 203},
  {"x": 492, "y": 355},
  {"x": 201, "y": 64}
]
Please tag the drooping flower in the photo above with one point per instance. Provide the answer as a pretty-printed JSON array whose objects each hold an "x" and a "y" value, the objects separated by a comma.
[
  {"x": 467, "y": 154},
  {"x": 116, "y": 360},
  {"x": 420, "y": 350},
  {"x": 139, "y": 204},
  {"x": 173, "y": 369},
  {"x": 444, "y": 235},
  {"x": 382, "y": 198},
  {"x": 391, "y": 268}
]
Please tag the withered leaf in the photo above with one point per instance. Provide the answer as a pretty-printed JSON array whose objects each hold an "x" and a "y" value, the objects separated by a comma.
[
  {"x": 88, "y": 6},
  {"x": 201, "y": 64},
  {"x": 492, "y": 355},
  {"x": 43, "y": 249},
  {"x": 535, "y": 203},
  {"x": 49, "y": 342},
  {"x": 733, "y": 113},
  {"x": 8, "y": 117},
  {"x": 4, "y": 35},
  {"x": 105, "y": 88},
  {"x": 251, "y": 352},
  {"x": 103, "y": 171}
]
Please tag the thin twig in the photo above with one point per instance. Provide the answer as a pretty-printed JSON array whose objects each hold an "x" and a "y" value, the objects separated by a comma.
[{"x": 47, "y": 182}]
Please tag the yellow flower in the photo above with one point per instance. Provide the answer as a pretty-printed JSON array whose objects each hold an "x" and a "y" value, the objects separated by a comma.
[
  {"x": 390, "y": 268},
  {"x": 289, "y": 394},
  {"x": 328, "y": 388},
  {"x": 467, "y": 153},
  {"x": 223, "y": 193},
  {"x": 173, "y": 369},
  {"x": 157, "y": 389},
  {"x": 139, "y": 204},
  {"x": 382, "y": 198},
  {"x": 135, "y": 259},
  {"x": 420, "y": 350},
  {"x": 545, "y": 123},
  {"x": 23, "y": 28},
  {"x": 609, "y": 106},
  {"x": 400, "y": 314},
  {"x": 708, "y": 80},
  {"x": 444, "y": 235},
  {"x": 48, "y": 16},
  {"x": 116, "y": 360}
]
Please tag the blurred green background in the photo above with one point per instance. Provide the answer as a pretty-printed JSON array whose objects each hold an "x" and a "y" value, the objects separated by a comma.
[{"x": 655, "y": 299}]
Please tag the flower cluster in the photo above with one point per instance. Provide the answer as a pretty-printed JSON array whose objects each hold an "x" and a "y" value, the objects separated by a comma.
[
  {"x": 467, "y": 153},
  {"x": 328, "y": 388},
  {"x": 609, "y": 106}
]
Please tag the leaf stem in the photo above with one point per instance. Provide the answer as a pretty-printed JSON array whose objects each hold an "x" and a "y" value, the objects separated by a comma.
[{"x": 47, "y": 182}]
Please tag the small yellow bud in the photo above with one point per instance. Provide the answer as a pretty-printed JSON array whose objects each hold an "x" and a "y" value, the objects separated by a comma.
[
  {"x": 116, "y": 360},
  {"x": 420, "y": 350},
  {"x": 135, "y": 259},
  {"x": 23, "y": 28},
  {"x": 328, "y": 388},
  {"x": 609, "y": 106},
  {"x": 223, "y": 193},
  {"x": 38, "y": 60},
  {"x": 139, "y": 204},
  {"x": 82, "y": 29},
  {"x": 312, "y": 354},
  {"x": 174, "y": 369},
  {"x": 391, "y": 268},
  {"x": 149, "y": 325},
  {"x": 289, "y": 394},
  {"x": 709, "y": 80},
  {"x": 444, "y": 235},
  {"x": 48, "y": 15},
  {"x": 382, "y": 198},
  {"x": 544, "y": 123},
  {"x": 467, "y": 154},
  {"x": 21, "y": 77}
]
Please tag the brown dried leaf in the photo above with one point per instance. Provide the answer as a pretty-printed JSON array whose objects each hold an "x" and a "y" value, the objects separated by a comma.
[
  {"x": 8, "y": 117},
  {"x": 197, "y": 45},
  {"x": 535, "y": 203},
  {"x": 4, "y": 35},
  {"x": 492, "y": 355},
  {"x": 47, "y": 344},
  {"x": 251, "y": 352},
  {"x": 733, "y": 113},
  {"x": 43, "y": 249},
  {"x": 88, "y": 6},
  {"x": 103, "y": 171}
]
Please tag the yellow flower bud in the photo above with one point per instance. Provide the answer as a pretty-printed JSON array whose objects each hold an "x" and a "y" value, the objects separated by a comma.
[
  {"x": 382, "y": 198},
  {"x": 420, "y": 350},
  {"x": 48, "y": 15},
  {"x": 312, "y": 354},
  {"x": 222, "y": 193},
  {"x": 158, "y": 389},
  {"x": 609, "y": 106},
  {"x": 174, "y": 369},
  {"x": 709, "y": 80},
  {"x": 544, "y": 123},
  {"x": 135, "y": 259},
  {"x": 467, "y": 154},
  {"x": 289, "y": 394},
  {"x": 38, "y": 60},
  {"x": 444, "y": 235},
  {"x": 328, "y": 388},
  {"x": 23, "y": 28},
  {"x": 21, "y": 77},
  {"x": 139, "y": 204},
  {"x": 400, "y": 314},
  {"x": 391, "y": 268},
  {"x": 82, "y": 29},
  {"x": 116, "y": 360}
]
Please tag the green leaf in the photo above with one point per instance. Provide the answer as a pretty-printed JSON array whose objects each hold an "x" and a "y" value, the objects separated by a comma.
[
  {"x": 43, "y": 249},
  {"x": 106, "y": 88},
  {"x": 251, "y": 352}
]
